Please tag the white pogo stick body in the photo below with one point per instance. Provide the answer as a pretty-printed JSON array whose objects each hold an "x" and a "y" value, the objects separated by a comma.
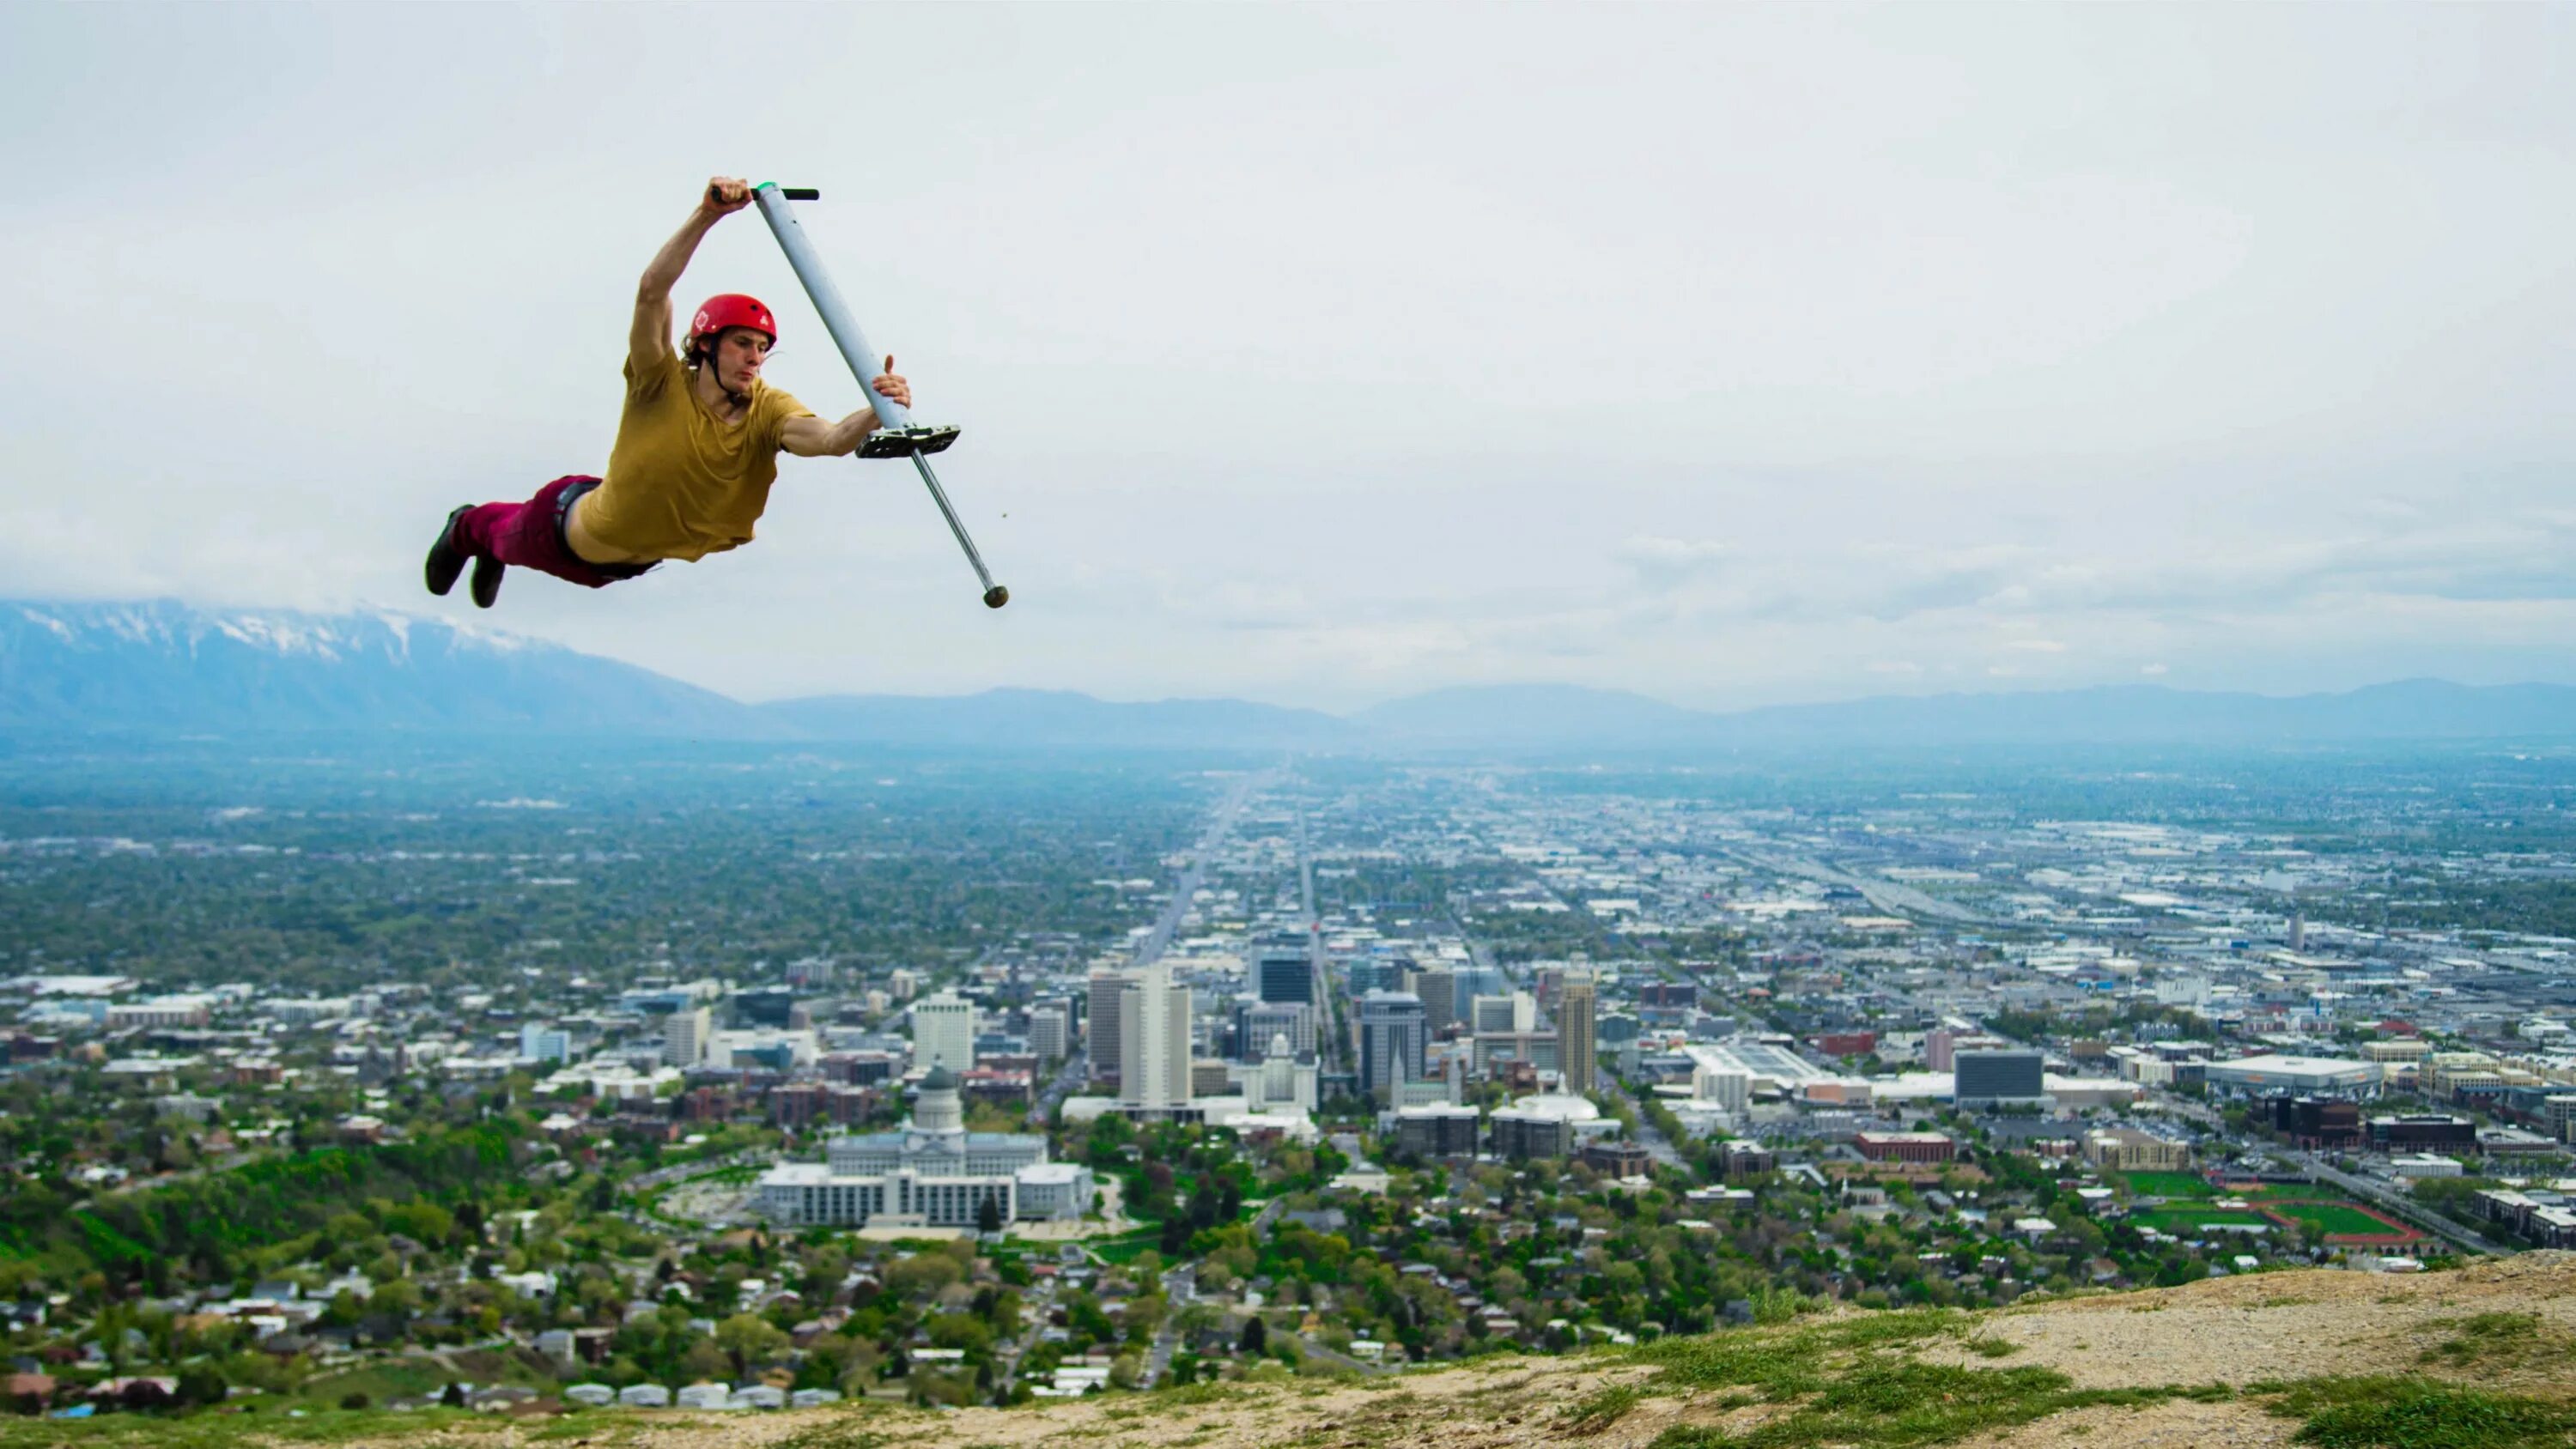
[{"x": 900, "y": 436}]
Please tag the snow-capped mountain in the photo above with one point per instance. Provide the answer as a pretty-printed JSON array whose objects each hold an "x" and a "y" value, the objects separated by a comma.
[{"x": 167, "y": 665}]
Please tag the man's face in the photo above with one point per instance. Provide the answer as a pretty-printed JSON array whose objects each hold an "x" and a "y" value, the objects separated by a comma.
[{"x": 739, "y": 354}]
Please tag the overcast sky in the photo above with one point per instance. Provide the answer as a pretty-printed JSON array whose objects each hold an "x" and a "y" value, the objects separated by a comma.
[{"x": 1320, "y": 355}]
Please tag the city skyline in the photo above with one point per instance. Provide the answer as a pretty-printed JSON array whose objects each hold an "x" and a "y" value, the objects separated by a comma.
[{"x": 634, "y": 1063}]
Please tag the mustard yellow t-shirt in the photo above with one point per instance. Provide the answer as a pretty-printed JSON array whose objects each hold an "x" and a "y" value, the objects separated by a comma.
[{"x": 682, "y": 483}]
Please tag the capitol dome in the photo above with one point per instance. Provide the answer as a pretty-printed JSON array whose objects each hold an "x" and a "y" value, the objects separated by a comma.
[{"x": 937, "y": 1109}]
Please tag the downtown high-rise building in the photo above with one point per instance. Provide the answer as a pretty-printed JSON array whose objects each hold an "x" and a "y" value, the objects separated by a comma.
[
  {"x": 763, "y": 1006},
  {"x": 1513, "y": 1011},
  {"x": 1154, "y": 1041},
  {"x": 1544, "y": 982},
  {"x": 1575, "y": 1049},
  {"x": 1050, "y": 1031},
  {"x": 943, "y": 1032},
  {"x": 1102, "y": 1018},
  {"x": 1438, "y": 988},
  {"x": 1378, "y": 973},
  {"x": 1392, "y": 1042},
  {"x": 686, "y": 1036},
  {"x": 1285, "y": 971}
]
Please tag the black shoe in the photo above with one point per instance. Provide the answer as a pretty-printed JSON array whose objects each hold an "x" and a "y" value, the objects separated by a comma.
[
  {"x": 487, "y": 581},
  {"x": 446, "y": 560}
]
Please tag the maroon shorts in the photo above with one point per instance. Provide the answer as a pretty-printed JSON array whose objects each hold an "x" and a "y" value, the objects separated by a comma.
[{"x": 531, "y": 535}]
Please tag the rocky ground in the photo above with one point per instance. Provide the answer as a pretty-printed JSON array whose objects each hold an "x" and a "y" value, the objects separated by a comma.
[
  {"x": 2285, "y": 1326},
  {"x": 2506, "y": 1326}
]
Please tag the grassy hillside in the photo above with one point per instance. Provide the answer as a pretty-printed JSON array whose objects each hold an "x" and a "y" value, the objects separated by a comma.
[{"x": 2480, "y": 1358}]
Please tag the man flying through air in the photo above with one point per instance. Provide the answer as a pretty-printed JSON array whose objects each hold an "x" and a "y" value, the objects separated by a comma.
[{"x": 697, "y": 444}]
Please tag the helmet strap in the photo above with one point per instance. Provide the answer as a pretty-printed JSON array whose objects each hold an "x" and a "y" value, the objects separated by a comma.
[
  {"x": 711, "y": 360},
  {"x": 715, "y": 360}
]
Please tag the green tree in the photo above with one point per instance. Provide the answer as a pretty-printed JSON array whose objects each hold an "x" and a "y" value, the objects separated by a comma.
[
  {"x": 401, "y": 1298},
  {"x": 961, "y": 1330},
  {"x": 923, "y": 1276},
  {"x": 703, "y": 1362},
  {"x": 747, "y": 1338},
  {"x": 201, "y": 1384}
]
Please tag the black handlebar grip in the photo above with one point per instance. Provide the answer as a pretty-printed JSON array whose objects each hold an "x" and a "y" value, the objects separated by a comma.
[{"x": 800, "y": 193}]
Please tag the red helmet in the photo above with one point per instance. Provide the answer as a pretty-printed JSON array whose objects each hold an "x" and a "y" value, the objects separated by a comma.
[{"x": 732, "y": 309}]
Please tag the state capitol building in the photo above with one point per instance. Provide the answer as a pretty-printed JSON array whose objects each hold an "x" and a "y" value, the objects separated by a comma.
[{"x": 932, "y": 1173}]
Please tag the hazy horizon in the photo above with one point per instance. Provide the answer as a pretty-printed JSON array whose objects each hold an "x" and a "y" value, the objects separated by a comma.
[
  {"x": 1322, "y": 356},
  {"x": 484, "y": 628}
]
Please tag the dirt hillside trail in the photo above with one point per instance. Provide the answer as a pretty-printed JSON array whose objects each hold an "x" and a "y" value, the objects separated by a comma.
[{"x": 2218, "y": 1363}]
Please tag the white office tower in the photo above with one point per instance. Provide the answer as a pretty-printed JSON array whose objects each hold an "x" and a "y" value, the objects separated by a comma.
[
  {"x": 1154, "y": 1041},
  {"x": 943, "y": 1032},
  {"x": 1516, "y": 1012},
  {"x": 1050, "y": 1032},
  {"x": 686, "y": 1036},
  {"x": 902, "y": 984}
]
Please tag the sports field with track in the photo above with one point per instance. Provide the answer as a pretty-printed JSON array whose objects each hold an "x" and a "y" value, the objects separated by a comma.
[
  {"x": 2340, "y": 1220},
  {"x": 2189, "y": 1221},
  {"x": 2190, "y": 1208}
]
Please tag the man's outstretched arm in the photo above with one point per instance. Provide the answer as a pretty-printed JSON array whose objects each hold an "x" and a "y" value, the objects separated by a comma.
[
  {"x": 648, "y": 341},
  {"x": 811, "y": 437}
]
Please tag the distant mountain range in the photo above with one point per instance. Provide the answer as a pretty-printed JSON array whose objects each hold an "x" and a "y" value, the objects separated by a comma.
[{"x": 168, "y": 667}]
